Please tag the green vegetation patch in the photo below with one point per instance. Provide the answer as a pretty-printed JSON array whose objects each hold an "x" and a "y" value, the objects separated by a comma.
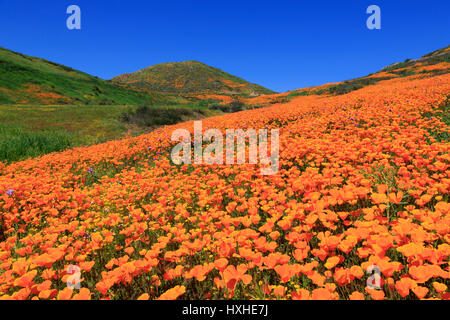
[
  {"x": 34, "y": 130},
  {"x": 17, "y": 144},
  {"x": 443, "y": 113},
  {"x": 155, "y": 116}
]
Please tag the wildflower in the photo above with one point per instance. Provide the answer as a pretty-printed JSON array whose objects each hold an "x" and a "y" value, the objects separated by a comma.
[{"x": 173, "y": 294}]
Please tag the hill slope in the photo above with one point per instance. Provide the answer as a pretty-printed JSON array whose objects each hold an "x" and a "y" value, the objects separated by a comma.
[
  {"x": 432, "y": 64},
  {"x": 189, "y": 77},
  {"x": 26, "y": 79},
  {"x": 432, "y": 58}
]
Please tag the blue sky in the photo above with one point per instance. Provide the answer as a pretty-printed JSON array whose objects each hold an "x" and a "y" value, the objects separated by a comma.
[{"x": 279, "y": 44}]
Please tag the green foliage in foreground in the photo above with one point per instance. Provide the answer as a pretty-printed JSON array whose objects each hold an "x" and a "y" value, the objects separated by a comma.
[
  {"x": 34, "y": 130},
  {"x": 30, "y": 131},
  {"x": 16, "y": 143}
]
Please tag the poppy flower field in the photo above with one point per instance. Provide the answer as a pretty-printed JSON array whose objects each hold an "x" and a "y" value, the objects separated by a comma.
[{"x": 363, "y": 181}]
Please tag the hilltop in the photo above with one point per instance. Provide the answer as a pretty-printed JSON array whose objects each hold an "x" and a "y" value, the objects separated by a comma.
[
  {"x": 30, "y": 80},
  {"x": 190, "y": 77}
]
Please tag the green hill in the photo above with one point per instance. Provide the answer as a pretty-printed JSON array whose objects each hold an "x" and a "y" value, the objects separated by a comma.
[
  {"x": 189, "y": 77},
  {"x": 30, "y": 80}
]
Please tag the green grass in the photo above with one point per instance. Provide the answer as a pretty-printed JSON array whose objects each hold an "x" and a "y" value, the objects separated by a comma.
[
  {"x": 17, "y": 143},
  {"x": 298, "y": 94},
  {"x": 443, "y": 113},
  {"x": 29, "y": 131},
  {"x": 34, "y": 130},
  {"x": 399, "y": 65}
]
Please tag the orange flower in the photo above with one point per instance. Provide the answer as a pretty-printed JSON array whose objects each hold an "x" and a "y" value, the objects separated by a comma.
[
  {"x": 65, "y": 294},
  {"x": 220, "y": 264},
  {"x": 375, "y": 294},
  {"x": 22, "y": 294},
  {"x": 332, "y": 262},
  {"x": 44, "y": 285},
  {"x": 423, "y": 273},
  {"x": 357, "y": 271},
  {"x": 379, "y": 198},
  {"x": 46, "y": 294},
  {"x": 86, "y": 265},
  {"x": 84, "y": 294},
  {"x": 26, "y": 280},
  {"x": 396, "y": 197},
  {"x": 279, "y": 291},
  {"x": 104, "y": 285},
  {"x": 439, "y": 287},
  {"x": 321, "y": 294},
  {"x": 286, "y": 272},
  {"x": 404, "y": 285},
  {"x": 144, "y": 296},
  {"x": 232, "y": 275},
  {"x": 356, "y": 296},
  {"x": 173, "y": 294},
  {"x": 301, "y": 294},
  {"x": 420, "y": 292}
]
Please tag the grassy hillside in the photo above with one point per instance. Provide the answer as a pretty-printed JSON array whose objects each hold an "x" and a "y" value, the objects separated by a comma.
[
  {"x": 188, "y": 77},
  {"x": 431, "y": 64},
  {"x": 25, "y": 79},
  {"x": 432, "y": 58}
]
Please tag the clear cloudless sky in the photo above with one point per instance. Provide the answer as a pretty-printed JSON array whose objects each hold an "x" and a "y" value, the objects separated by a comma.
[{"x": 280, "y": 44}]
